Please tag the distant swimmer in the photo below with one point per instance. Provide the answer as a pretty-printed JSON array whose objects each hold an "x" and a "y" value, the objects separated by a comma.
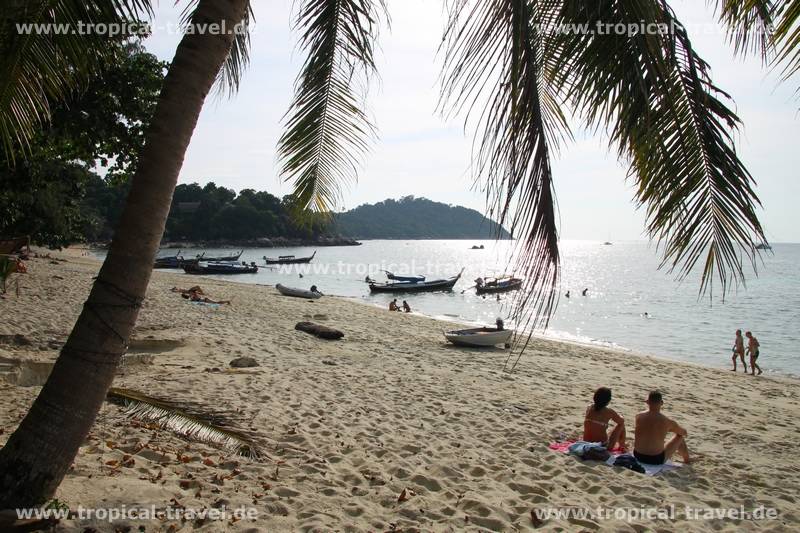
[
  {"x": 646, "y": 315},
  {"x": 586, "y": 290},
  {"x": 567, "y": 295},
  {"x": 752, "y": 349},
  {"x": 301, "y": 275}
]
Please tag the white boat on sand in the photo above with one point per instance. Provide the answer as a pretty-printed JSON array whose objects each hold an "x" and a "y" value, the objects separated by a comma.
[
  {"x": 298, "y": 293},
  {"x": 481, "y": 337}
]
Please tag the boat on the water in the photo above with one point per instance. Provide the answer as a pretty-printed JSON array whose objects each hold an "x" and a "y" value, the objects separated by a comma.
[
  {"x": 288, "y": 259},
  {"x": 608, "y": 243},
  {"x": 410, "y": 279},
  {"x": 763, "y": 246},
  {"x": 476, "y": 247},
  {"x": 298, "y": 293},
  {"x": 222, "y": 258},
  {"x": 497, "y": 285},
  {"x": 480, "y": 337},
  {"x": 210, "y": 267},
  {"x": 173, "y": 261},
  {"x": 422, "y": 286}
]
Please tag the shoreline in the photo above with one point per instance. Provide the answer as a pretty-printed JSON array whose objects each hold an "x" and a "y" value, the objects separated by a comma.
[
  {"x": 390, "y": 427},
  {"x": 603, "y": 345}
]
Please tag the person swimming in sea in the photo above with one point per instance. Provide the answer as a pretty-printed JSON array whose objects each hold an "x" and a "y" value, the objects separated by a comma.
[
  {"x": 567, "y": 295},
  {"x": 585, "y": 291},
  {"x": 597, "y": 419}
]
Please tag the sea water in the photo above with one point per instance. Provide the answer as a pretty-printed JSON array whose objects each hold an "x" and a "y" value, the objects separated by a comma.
[{"x": 630, "y": 304}]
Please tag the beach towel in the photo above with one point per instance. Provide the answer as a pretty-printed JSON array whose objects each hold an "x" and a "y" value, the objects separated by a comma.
[
  {"x": 649, "y": 470},
  {"x": 207, "y": 304},
  {"x": 563, "y": 447}
]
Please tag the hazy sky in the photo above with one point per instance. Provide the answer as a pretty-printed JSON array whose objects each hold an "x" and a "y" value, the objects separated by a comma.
[{"x": 421, "y": 154}]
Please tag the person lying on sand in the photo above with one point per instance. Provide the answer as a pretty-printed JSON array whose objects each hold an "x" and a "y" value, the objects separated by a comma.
[
  {"x": 752, "y": 349},
  {"x": 197, "y": 298},
  {"x": 738, "y": 351},
  {"x": 651, "y": 430},
  {"x": 597, "y": 419},
  {"x": 191, "y": 290}
]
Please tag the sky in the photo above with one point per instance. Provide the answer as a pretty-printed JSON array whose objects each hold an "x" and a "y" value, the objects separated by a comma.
[{"x": 420, "y": 153}]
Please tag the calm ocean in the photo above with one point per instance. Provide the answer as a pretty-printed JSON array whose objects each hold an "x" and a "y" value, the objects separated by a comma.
[{"x": 623, "y": 280}]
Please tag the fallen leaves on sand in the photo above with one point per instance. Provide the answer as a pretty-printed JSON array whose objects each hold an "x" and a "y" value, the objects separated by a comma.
[{"x": 405, "y": 495}]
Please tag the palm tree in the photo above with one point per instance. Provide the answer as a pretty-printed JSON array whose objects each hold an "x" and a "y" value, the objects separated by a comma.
[
  {"x": 38, "y": 454},
  {"x": 652, "y": 93}
]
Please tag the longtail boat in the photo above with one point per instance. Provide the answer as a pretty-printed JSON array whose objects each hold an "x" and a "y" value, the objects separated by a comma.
[{"x": 288, "y": 259}]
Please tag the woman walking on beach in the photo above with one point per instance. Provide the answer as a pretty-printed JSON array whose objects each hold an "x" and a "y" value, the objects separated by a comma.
[{"x": 738, "y": 350}]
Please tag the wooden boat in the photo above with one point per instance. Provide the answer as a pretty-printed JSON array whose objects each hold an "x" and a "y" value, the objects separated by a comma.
[
  {"x": 171, "y": 261},
  {"x": 288, "y": 259},
  {"x": 480, "y": 337},
  {"x": 222, "y": 258},
  {"x": 423, "y": 286},
  {"x": 15, "y": 245},
  {"x": 208, "y": 267},
  {"x": 494, "y": 285},
  {"x": 410, "y": 279},
  {"x": 297, "y": 293}
]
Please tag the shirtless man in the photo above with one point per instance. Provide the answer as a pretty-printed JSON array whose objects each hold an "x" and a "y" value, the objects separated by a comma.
[
  {"x": 598, "y": 417},
  {"x": 738, "y": 350},
  {"x": 651, "y": 430},
  {"x": 752, "y": 349},
  {"x": 393, "y": 305}
]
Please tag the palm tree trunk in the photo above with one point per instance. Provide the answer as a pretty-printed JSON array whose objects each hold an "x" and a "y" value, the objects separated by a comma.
[{"x": 39, "y": 453}]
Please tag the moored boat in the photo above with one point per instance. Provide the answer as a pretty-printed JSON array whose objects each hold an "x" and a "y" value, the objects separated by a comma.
[
  {"x": 422, "y": 286},
  {"x": 480, "y": 337},
  {"x": 763, "y": 246},
  {"x": 222, "y": 258},
  {"x": 208, "y": 267},
  {"x": 298, "y": 293},
  {"x": 288, "y": 259},
  {"x": 495, "y": 285},
  {"x": 410, "y": 279}
]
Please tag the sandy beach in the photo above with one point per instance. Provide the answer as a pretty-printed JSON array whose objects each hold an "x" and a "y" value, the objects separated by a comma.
[{"x": 390, "y": 428}]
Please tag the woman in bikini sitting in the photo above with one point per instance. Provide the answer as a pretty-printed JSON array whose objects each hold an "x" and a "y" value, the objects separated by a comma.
[{"x": 598, "y": 418}]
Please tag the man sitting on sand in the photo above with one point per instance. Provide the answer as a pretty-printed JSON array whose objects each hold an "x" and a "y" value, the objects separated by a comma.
[
  {"x": 597, "y": 419},
  {"x": 651, "y": 430},
  {"x": 752, "y": 349},
  {"x": 393, "y": 305},
  {"x": 738, "y": 351}
]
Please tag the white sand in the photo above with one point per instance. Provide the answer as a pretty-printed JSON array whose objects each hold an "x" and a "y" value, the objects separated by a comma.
[{"x": 350, "y": 424}]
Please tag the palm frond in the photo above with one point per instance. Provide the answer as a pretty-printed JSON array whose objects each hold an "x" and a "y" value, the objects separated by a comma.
[
  {"x": 655, "y": 96},
  {"x": 749, "y": 24},
  {"x": 186, "y": 419},
  {"x": 36, "y": 67},
  {"x": 327, "y": 132},
  {"x": 494, "y": 72},
  {"x": 232, "y": 71},
  {"x": 787, "y": 37}
]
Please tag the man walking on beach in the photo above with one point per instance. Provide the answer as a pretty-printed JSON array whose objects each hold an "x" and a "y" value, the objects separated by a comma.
[
  {"x": 752, "y": 349},
  {"x": 651, "y": 430},
  {"x": 738, "y": 350}
]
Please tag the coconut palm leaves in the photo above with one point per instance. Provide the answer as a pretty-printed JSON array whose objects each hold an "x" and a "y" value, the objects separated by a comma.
[
  {"x": 327, "y": 132},
  {"x": 188, "y": 420},
  {"x": 655, "y": 97},
  {"x": 39, "y": 65},
  {"x": 493, "y": 69},
  {"x": 787, "y": 37}
]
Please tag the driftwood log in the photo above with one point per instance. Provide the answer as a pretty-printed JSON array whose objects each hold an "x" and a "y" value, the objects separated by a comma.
[{"x": 323, "y": 332}]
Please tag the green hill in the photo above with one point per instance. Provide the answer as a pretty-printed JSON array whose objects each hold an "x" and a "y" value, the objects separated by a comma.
[{"x": 416, "y": 218}]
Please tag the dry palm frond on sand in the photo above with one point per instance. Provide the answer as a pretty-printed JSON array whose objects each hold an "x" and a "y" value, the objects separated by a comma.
[{"x": 186, "y": 419}]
